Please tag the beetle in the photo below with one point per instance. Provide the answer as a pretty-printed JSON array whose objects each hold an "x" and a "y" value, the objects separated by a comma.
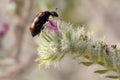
[{"x": 38, "y": 23}]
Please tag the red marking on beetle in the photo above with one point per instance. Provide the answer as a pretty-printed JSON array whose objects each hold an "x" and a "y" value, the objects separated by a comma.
[
  {"x": 36, "y": 19},
  {"x": 32, "y": 27},
  {"x": 41, "y": 14}
]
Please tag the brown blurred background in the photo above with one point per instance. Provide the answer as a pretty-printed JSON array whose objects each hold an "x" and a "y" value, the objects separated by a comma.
[{"x": 18, "y": 49}]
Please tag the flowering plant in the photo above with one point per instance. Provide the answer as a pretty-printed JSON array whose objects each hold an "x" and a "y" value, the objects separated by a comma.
[
  {"x": 52, "y": 26},
  {"x": 77, "y": 42}
]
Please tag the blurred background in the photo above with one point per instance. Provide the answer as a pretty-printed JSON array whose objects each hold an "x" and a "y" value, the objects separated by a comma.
[{"x": 18, "y": 49}]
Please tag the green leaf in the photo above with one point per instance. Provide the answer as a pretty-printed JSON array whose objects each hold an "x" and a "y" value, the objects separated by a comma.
[
  {"x": 68, "y": 35},
  {"x": 101, "y": 63},
  {"x": 46, "y": 58},
  {"x": 61, "y": 57},
  {"x": 87, "y": 56},
  {"x": 42, "y": 64},
  {"x": 53, "y": 58},
  {"x": 113, "y": 77},
  {"x": 87, "y": 63},
  {"x": 101, "y": 71},
  {"x": 50, "y": 37},
  {"x": 46, "y": 38}
]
